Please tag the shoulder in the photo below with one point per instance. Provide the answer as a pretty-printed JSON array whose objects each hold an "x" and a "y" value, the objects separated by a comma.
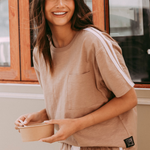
[
  {"x": 101, "y": 40},
  {"x": 87, "y": 35},
  {"x": 88, "y": 40},
  {"x": 99, "y": 36}
]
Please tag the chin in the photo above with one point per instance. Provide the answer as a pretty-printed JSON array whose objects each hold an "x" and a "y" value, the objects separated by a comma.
[{"x": 61, "y": 24}]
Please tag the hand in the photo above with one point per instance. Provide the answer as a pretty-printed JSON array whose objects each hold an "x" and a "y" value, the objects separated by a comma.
[
  {"x": 33, "y": 117},
  {"x": 67, "y": 127}
]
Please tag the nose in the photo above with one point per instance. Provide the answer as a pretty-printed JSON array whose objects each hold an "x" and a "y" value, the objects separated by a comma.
[{"x": 60, "y": 3}]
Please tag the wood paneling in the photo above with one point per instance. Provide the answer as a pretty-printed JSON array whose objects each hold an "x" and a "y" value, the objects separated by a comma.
[
  {"x": 20, "y": 82},
  {"x": 12, "y": 72},
  {"x": 107, "y": 16},
  {"x": 27, "y": 72},
  {"x": 142, "y": 86},
  {"x": 99, "y": 14}
]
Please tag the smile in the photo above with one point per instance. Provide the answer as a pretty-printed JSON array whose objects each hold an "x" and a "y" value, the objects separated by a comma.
[{"x": 59, "y": 13}]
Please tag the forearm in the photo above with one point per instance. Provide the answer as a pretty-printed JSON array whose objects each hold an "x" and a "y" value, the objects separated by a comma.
[{"x": 113, "y": 108}]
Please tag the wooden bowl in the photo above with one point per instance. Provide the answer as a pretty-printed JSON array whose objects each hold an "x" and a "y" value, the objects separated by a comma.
[{"x": 36, "y": 131}]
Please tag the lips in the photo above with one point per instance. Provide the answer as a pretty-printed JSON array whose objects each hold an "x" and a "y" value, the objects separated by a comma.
[{"x": 59, "y": 13}]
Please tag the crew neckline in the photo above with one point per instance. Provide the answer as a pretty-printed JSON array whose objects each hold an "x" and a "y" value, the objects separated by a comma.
[{"x": 65, "y": 48}]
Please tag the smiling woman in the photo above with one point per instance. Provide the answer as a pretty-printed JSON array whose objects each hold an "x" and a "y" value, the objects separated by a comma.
[{"x": 88, "y": 91}]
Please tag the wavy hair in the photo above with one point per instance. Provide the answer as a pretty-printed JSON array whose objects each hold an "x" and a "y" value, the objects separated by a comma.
[{"x": 81, "y": 19}]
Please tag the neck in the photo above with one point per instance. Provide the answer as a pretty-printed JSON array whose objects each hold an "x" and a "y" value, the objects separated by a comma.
[{"x": 62, "y": 35}]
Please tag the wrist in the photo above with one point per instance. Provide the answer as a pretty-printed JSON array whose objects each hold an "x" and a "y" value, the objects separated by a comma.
[
  {"x": 43, "y": 115},
  {"x": 84, "y": 122}
]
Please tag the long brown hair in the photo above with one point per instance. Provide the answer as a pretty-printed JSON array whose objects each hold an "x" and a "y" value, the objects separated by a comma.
[{"x": 81, "y": 19}]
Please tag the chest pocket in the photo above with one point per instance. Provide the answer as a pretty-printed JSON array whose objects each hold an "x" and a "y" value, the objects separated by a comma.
[{"x": 80, "y": 91}]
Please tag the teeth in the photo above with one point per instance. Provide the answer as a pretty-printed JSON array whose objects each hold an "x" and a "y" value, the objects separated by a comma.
[{"x": 59, "y": 13}]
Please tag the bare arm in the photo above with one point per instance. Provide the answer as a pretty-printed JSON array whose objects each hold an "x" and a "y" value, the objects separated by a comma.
[{"x": 113, "y": 108}]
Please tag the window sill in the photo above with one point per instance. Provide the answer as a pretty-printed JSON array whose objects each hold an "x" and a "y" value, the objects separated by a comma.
[
  {"x": 19, "y": 82},
  {"x": 143, "y": 95},
  {"x": 34, "y": 91}
]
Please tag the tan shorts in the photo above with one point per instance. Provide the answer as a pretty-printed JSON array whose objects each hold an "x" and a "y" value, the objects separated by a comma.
[
  {"x": 70, "y": 147},
  {"x": 95, "y": 148}
]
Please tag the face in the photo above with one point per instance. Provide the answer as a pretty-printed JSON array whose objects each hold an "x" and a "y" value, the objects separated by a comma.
[{"x": 59, "y": 12}]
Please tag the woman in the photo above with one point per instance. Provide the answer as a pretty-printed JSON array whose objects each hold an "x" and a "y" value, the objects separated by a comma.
[{"x": 88, "y": 92}]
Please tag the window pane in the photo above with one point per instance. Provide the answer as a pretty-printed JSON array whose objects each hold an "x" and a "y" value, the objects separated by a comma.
[
  {"x": 129, "y": 25},
  {"x": 4, "y": 34},
  {"x": 89, "y": 3},
  {"x": 126, "y": 18}
]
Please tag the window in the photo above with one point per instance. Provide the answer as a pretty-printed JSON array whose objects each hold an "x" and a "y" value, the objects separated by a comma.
[
  {"x": 89, "y": 3},
  {"x": 9, "y": 49},
  {"x": 27, "y": 70},
  {"x": 130, "y": 26},
  {"x": 127, "y": 22},
  {"x": 4, "y": 37}
]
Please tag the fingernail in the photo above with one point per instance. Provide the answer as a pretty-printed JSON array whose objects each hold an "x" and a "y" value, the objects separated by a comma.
[
  {"x": 25, "y": 122},
  {"x": 40, "y": 141},
  {"x": 21, "y": 121},
  {"x": 46, "y": 121}
]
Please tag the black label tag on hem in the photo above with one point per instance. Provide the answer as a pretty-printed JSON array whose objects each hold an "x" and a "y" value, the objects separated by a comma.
[{"x": 129, "y": 142}]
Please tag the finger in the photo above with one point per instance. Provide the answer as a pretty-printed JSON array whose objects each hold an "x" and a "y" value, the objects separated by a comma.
[
  {"x": 16, "y": 127},
  {"x": 52, "y": 121},
  {"x": 51, "y": 139},
  {"x": 18, "y": 130},
  {"x": 28, "y": 119},
  {"x": 17, "y": 122}
]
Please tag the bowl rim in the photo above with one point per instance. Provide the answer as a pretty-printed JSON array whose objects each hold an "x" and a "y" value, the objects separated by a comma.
[{"x": 32, "y": 126}]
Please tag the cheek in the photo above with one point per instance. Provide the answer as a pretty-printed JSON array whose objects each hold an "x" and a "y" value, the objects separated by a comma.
[
  {"x": 47, "y": 9},
  {"x": 46, "y": 12},
  {"x": 72, "y": 7}
]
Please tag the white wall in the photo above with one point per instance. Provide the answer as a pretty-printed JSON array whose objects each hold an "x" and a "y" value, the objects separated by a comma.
[{"x": 18, "y": 99}]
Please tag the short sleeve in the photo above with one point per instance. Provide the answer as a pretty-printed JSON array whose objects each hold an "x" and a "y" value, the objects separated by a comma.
[
  {"x": 36, "y": 66},
  {"x": 111, "y": 65}
]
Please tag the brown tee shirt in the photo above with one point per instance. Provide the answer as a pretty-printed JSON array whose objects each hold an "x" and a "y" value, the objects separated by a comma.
[{"x": 88, "y": 72}]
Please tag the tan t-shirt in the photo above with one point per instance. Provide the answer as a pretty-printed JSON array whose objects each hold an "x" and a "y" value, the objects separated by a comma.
[{"x": 88, "y": 72}]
